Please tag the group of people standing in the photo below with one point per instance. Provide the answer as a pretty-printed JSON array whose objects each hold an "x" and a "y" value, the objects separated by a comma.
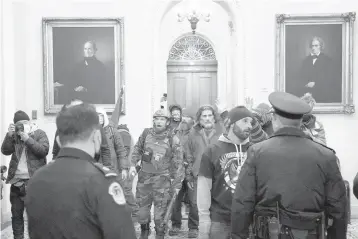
[{"x": 247, "y": 172}]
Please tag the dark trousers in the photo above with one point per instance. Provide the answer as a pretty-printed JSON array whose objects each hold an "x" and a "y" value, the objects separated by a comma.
[
  {"x": 17, "y": 196},
  {"x": 193, "y": 218}
]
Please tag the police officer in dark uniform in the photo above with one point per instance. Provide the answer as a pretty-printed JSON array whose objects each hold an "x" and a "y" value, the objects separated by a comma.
[
  {"x": 290, "y": 186},
  {"x": 73, "y": 196}
]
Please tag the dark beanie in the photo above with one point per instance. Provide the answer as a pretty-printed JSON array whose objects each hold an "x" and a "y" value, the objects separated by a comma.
[
  {"x": 239, "y": 113},
  {"x": 20, "y": 115}
]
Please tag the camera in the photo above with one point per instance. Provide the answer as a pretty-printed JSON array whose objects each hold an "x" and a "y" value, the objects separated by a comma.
[{"x": 19, "y": 127}]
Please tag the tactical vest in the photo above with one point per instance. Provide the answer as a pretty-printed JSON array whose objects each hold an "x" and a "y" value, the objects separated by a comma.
[{"x": 158, "y": 153}]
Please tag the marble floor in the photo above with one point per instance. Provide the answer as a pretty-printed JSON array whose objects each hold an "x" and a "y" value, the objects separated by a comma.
[{"x": 6, "y": 233}]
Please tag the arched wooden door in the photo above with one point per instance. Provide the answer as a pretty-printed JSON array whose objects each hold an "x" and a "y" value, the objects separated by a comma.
[{"x": 192, "y": 73}]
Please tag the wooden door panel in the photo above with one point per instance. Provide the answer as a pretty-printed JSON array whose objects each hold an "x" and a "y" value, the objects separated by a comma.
[
  {"x": 192, "y": 89},
  {"x": 214, "y": 87},
  {"x": 205, "y": 88},
  {"x": 178, "y": 88}
]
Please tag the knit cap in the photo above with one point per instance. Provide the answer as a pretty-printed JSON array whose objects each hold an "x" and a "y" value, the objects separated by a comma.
[
  {"x": 239, "y": 113},
  {"x": 20, "y": 115},
  {"x": 261, "y": 113}
]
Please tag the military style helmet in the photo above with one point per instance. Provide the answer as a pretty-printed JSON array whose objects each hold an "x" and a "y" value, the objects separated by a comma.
[{"x": 162, "y": 113}]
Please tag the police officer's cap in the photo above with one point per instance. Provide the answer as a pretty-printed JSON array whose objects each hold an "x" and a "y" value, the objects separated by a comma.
[{"x": 288, "y": 105}]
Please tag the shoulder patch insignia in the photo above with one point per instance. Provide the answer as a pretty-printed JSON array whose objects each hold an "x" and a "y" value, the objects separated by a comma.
[
  {"x": 105, "y": 170},
  {"x": 116, "y": 191}
]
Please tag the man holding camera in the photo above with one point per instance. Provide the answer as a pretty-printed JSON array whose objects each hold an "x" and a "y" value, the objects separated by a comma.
[{"x": 28, "y": 147}]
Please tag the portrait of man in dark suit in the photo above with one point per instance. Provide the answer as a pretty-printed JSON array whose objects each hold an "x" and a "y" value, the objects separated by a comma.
[
  {"x": 84, "y": 65},
  {"x": 319, "y": 76},
  {"x": 88, "y": 76},
  {"x": 83, "y": 59},
  {"x": 313, "y": 61}
]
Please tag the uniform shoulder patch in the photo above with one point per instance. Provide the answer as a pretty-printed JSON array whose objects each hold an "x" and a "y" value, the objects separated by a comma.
[
  {"x": 116, "y": 191},
  {"x": 105, "y": 170},
  {"x": 324, "y": 146}
]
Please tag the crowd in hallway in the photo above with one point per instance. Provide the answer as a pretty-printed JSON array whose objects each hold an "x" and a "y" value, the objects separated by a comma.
[{"x": 244, "y": 172}]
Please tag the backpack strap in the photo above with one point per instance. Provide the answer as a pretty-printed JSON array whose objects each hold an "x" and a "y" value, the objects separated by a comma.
[
  {"x": 113, "y": 141},
  {"x": 170, "y": 137}
]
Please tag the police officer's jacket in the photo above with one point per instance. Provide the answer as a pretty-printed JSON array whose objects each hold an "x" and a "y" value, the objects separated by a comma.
[
  {"x": 290, "y": 167},
  {"x": 74, "y": 198}
]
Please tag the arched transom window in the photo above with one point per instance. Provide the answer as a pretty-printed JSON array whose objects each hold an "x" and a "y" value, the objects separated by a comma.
[{"x": 192, "y": 48}]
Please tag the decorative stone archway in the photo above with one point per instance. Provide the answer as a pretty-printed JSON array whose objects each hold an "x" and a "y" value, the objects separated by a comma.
[
  {"x": 191, "y": 47},
  {"x": 192, "y": 73},
  {"x": 234, "y": 89}
]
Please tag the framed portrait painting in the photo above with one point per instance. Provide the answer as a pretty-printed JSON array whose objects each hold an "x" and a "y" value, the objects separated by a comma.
[
  {"x": 314, "y": 55},
  {"x": 83, "y": 59}
]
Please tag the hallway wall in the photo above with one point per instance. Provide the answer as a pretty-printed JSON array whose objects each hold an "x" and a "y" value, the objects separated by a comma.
[{"x": 21, "y": 48}]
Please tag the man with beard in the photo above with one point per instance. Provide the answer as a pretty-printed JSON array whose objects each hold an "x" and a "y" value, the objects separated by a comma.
[
  {"x": 220, "y": 165},
  {"x": 207, "y": 130},
  {"x": 291, "y": 174},
  {"x": 162, "y": 172},
  {"x": 74, "y": 197}
]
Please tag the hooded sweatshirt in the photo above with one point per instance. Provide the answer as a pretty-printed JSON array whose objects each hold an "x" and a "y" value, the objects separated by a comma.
[
  {"x": 220, "y": 164},
  {"x": 119, "y": 159}
]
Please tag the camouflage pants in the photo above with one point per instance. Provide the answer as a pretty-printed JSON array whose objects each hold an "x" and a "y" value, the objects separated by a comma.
[{"x": 152, "y": 188}]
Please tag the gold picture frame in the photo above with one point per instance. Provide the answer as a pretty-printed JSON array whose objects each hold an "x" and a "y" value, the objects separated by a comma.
[
  {"x": 292, "y": 32},
  {"x": 65, "y": 61}
]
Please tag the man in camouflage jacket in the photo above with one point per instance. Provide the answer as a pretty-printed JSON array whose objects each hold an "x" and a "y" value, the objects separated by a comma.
[{"x": 161, "y": 173}]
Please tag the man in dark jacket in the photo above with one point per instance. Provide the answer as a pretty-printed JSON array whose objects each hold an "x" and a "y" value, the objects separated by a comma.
[
  {"x": 319, "y": 75},
  {"x": 127, "y": 139},
  {"x": 28, "y": 147},
  {"x": 176, "y": 218},
  {"x": 105, "y": 154},
  {"x": 292, "y": 172},
  {"x": 120, "y": 161},
  {"x": 75, "y": 197}
]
